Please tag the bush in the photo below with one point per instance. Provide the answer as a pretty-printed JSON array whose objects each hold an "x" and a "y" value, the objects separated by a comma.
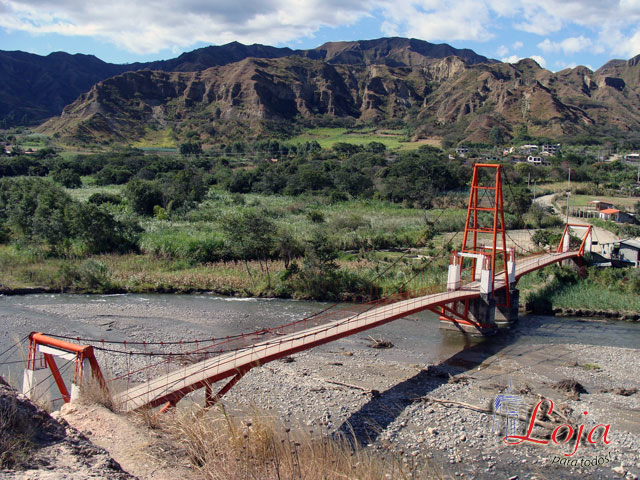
[
  {"x": 90, "y": 275},
  {"x": 101, "y": 232},
  {"x": 101, "y": 198},
  {"x": 67, "y": 178},
  {"x": 143, "y": 195}
]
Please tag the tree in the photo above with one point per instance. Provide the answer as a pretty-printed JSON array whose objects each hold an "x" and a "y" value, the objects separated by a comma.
[
  {"x": 495, "y": 136},
  {"x": 100, "y": 231},
  {"x": 67, "y": 178},
  {"x": 191, "y": 148},
  {"x": 251, "y": 235},
  {"x": 143, "y": 195},
  {"x": 522, "y": 133},
  {"x": 319, "y": 276}
]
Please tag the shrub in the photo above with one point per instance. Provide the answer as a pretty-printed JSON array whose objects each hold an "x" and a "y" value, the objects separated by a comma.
[
  {"x": 101, "y": 198},
  {"x": 67, "y": 178},
  {"x": 90, "y": 275},
  {"x": 143, "y": 195}
]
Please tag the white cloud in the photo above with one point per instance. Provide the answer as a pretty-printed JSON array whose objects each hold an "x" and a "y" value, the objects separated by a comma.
[
  {"x": 148, "y": 27},
  {"x": 502, "y": 51},
  {"x": 540, "y": 60},
  {"x": 562, "y": 65},
  {"x": 515, "y": 59},
  {"x": 152, "y": 26},
  {"x": 568, "y": 45},
  {"x": 436, "y": 20},
  {"x": 512, "y": 59}
]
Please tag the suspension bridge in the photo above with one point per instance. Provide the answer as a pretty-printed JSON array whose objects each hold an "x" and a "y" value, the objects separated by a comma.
[{"x": 479, "y": 294}]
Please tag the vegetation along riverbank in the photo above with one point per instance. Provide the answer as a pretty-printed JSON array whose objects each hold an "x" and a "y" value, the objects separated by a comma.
[{"x": 340, "y": 222}]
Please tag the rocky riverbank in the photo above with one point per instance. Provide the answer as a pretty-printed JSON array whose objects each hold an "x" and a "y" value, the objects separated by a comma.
[{"x": 444, "y": 413}]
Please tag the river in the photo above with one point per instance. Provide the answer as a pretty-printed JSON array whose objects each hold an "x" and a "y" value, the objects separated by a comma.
[{"x": 417, "y": 339}]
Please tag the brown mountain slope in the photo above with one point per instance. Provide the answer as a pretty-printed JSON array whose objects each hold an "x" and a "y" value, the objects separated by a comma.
[
  {"x": 33, "y": 87},
  {"x": 439, "y": 96}
]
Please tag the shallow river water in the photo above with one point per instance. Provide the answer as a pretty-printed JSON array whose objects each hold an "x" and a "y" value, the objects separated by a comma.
[{"x": 417, "y": 339}]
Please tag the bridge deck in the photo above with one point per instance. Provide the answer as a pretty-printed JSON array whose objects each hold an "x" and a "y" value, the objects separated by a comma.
[{"x": 174, "y": 385}]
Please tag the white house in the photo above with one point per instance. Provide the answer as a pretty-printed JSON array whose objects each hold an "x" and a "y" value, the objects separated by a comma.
[{"x": 535, "y": 160}]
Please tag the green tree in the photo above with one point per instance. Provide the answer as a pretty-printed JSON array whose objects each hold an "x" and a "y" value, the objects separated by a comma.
[
  {"x": 143, "y": 195},
  {"x": 319, "y": 276},
  {"x": 251, "y": 235},
  {"x": 495, "y": 136},
  {"x": 191, "y": 148},
  {"x": 67, "y": 178},
  {"x": 100, "y": 231}
]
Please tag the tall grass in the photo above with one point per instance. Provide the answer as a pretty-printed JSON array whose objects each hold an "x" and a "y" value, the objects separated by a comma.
[
  {"x": 591, "y": 296},
  {"x": 602, "y": 289},
  {"x": 256, "y": 446}
]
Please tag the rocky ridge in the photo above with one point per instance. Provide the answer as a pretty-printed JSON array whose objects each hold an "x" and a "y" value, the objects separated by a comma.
[{"x": 451, "y": 96}]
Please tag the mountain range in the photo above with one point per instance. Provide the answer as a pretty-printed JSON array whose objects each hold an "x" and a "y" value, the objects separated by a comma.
[{"x": 237, "y": 90}]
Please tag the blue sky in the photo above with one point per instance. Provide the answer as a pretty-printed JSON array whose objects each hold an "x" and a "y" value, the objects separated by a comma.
[{"x": 556, "y": 33}]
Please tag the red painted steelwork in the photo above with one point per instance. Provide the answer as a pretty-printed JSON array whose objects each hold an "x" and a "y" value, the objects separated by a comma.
[
  {"x": 82, "y": 352},
  {"x": 58, "y": 378}
]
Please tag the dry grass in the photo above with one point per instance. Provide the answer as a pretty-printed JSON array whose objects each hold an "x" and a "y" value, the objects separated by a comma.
[
  {"x": 222, "y": 446},
  {"x": 15, "y": 434},
  {"x": 92, "y": 392}
]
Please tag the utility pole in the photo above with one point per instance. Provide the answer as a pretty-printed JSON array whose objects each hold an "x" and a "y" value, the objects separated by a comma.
[
  {"x": 568, "y": 195},
  {"x": 535, "y": 182}
]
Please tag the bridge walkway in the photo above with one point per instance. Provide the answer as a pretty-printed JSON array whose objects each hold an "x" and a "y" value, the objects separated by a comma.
[{"x": 172, "y": 386}]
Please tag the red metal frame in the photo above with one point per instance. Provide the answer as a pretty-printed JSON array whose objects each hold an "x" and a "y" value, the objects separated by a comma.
[
  {"x": 498, "y": 227},
  {"x": 82, "y": 352},
  {"x": 472, "y": 227},
  {"x": 567, "y": 230}
]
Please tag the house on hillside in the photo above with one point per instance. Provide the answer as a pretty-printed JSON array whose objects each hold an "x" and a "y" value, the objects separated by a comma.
[
  {"x": 551, "y": 149},
  {"x": 463, "y": 151},
  {"x": 535, "y": 160},
  {"x": 600, "y": 205},
  {"x": 609, "y": 214},
  {"x": 632, "y": 157},
  {"x": 529, "y": 149},
  {"x": 629, "y": 251}
]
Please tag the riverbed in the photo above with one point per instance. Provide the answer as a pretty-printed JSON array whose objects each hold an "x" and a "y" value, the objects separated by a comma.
[{"x": 390, "y": 398}]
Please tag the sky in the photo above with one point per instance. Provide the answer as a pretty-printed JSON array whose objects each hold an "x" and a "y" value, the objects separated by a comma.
[{"x": 556, "y": 33}]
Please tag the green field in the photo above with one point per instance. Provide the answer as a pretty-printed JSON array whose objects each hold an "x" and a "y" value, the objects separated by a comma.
[
  {"x": 392, "y": 139},
  {"x": 157, "y": 139}
]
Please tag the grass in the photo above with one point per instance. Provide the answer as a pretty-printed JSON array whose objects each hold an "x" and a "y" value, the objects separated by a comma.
[
  {"x": 255, "y": 445},
  {"x": 392, "y": 139},
  {"x": 17, "y": 434},
  {"x": 157, "y": 139},
  {"x": 83, "y": 194},
  {"x": 559, "y": 187},
  {"x": 587, "y": 295},
  {"x": 602, "y": 290}
]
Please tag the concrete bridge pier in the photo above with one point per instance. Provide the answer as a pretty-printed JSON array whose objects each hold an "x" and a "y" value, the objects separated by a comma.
[
  {"x": 504, "y": 315},
  {"x": 480, "y": 313}
]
